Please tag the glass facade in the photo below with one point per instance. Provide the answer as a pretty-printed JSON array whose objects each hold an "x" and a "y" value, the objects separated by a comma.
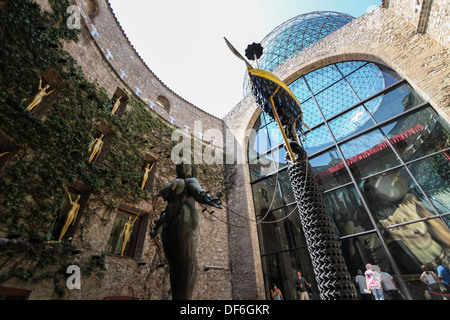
[{"x": 381, "y": 156}]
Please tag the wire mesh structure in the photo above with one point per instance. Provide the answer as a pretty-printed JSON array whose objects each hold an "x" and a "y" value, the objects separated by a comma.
[{"x": 297, "y": 34}]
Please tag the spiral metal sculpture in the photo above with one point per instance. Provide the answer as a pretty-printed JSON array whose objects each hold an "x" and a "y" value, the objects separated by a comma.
[
  {"x": 276, "y": 100},
  {"x": 333, "y": 279}
]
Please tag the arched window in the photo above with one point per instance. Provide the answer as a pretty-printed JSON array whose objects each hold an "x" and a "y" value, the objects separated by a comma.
[
  {"x": 381, "y": 156},
  {"x": 163, "y": 102}
]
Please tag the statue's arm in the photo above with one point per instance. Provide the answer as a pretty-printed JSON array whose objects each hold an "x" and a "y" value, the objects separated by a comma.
[{"x": 200, "y": 195}]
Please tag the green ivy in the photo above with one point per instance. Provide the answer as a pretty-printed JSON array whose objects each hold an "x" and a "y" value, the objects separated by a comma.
[{"x": 52, "y": 153}]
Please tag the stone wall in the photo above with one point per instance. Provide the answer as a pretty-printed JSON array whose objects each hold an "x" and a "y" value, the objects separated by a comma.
[{"x": 108, "y": 59}]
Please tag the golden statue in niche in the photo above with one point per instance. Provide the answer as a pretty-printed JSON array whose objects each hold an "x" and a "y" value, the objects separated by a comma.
[
  {"x": 148, "y": 168},
  {"x": 71, "y": 214},
  {"x": 41, "y": 94},
  {"x": 126, "y": 232},
  {"x": 116, "y": 105},
  {"x": 96, "y": 147}
]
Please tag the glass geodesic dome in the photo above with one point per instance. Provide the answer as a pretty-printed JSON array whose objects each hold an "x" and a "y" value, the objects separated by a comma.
[{"x": 297, "y": 34}]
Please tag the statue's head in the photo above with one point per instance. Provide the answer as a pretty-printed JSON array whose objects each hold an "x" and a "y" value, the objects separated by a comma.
[{"x": 185, "y": 170}]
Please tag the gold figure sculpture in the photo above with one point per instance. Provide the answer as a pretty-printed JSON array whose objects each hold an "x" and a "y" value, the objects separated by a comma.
[
  {"x": 96, "y": 147},
  {"x": 148, "y": 168},
  {"x": 116, "y": 105},
  {"x": 41, "y": 94},
  {"x": 71, "y": 215},
  {"x": 126, "y": 232}
]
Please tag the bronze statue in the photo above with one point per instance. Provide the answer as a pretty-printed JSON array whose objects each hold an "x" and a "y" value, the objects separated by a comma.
[
  {"x": 181, "y": 229},
  {"x": 71, "y": 215},
  {"x": 41, "y": 94},
  {"x": 96, "y": 147}
]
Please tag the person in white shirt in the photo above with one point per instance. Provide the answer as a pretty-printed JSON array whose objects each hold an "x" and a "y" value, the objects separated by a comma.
[
  {"x": 389, "y": 286},
  {"x": 432, "y": 281}
]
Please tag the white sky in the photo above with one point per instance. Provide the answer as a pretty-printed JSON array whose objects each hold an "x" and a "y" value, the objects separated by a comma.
[{"x": 182, "y": 41}]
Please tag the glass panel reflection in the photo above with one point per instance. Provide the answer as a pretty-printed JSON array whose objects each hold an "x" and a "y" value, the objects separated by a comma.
[
  {"x": 418, "y": 134},
  {"x": 350, "y": 123},
  {"x": 281, "y": 230},
  {"x": 280, "y": 269},
  {"x": 367, "y": 81},
  {"x": 286, "y": 187},
  {"x": 346, "y": 211},
  {"x": 311, "y": 114},
  {"x": 267, "y": 164},
  {"x": 396, "y": 102},
  {"x": 359, "y": 251},
  {"x": 433, "y": 175},
  {"x": 329, "y": 170},
  {"x": 368, "y": 154},
  {"x": 266, "y": 196},
  {"x": 394, "y": 198},
  {"x": 318, "y": 139},
  {"x": 417, "y": 244},
  {"x": 335, "y": 99}
]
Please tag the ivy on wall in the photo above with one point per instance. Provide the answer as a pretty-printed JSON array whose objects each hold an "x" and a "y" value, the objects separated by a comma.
[{"x": 52, "y": 152}]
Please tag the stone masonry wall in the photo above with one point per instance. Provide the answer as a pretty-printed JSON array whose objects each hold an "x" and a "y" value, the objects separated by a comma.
[{"x": 106, "y": 56}]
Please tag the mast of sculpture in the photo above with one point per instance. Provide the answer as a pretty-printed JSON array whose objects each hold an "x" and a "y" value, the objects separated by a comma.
[{"x": 277, "y": 101}]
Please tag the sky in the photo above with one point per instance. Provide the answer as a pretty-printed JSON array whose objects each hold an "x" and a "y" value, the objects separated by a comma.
[{"x": 182, "y": 41}]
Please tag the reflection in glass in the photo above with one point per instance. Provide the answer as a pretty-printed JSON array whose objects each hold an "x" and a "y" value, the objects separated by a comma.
[
  {"x": 318, "y": 139},
  {"x": 286, "y": 187},
  {"x": 267, "y": 164},
  {"x": 336, "y": 99},
  {"x": 418, "y": 243},
  {"x": 281, "y": 230},
  {"x": 346, "y": 211},
  {"x": 396, "y": 102},
  {"x": 329, "y": 170},
  {"x": 418, "y": 134},
  {"x": 262, "y": 166},
  {"x": 350, "y": 123},
  {"x": 367, "y": 81},
  {"x": 394, "y": 198},
  {"x": 359, "y": 251},
  {"x": 280, "y": 269},
  {"x": 368, "y": 154},
  {"x": 266, "y": 196},
  {"x": 433, "y": 175},
  {"x": 311, "y": 114}
]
